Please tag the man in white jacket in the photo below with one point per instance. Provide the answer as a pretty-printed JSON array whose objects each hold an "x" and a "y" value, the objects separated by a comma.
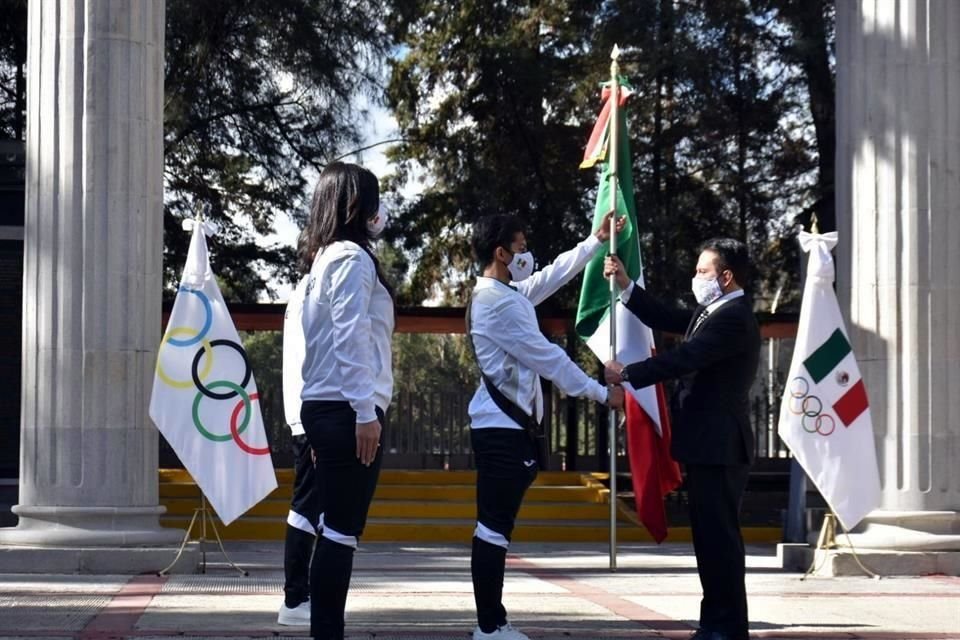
[
  {"x": 507, "y": 409},
  {"x": 303, "y": 519}
]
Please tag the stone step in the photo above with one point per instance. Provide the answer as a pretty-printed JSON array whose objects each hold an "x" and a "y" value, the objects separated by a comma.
[
  {"x": 427, "y": 477},
  {"x": 424, "y": 509},
  {"x": 539, "y": 493},
  {"x": 461, "y": 531}
]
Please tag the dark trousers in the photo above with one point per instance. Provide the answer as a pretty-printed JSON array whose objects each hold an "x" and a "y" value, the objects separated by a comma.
[
  {"x": 715, "y": 493},
  {"x": 301, "y": 526},
  {"x": 345, "y": 488},
  {"x": 506, "y": 467}
]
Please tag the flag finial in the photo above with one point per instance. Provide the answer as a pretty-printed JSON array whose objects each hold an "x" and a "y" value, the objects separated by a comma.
[
  {"x": 814, "y": 227},
  {"x": 615, "y": 54}
]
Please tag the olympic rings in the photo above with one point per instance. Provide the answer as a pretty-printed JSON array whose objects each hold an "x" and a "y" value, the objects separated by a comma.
[
  {"x": 795, "y": 392},
  {"x": 187, "y": 337},
  {"x": 244, "y": 402},
  {"x": 197, "y": 375},
  {"x": 186, "y": 384},
  {"x": 236, "y": 432},
  {"x": 810, "y": 413},
  {"x": 818, "y": 424},
  {"x": 207, "y": 322},
  {"x": 800, "y": 390}
]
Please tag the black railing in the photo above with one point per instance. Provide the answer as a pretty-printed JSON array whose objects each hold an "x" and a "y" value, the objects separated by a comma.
[
  {"x": 431, "y": 430},
  {"x": 428, "y": 428}
]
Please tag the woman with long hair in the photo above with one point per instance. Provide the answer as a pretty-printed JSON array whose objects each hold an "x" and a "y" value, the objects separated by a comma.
[{"x": 348, "y": 319}]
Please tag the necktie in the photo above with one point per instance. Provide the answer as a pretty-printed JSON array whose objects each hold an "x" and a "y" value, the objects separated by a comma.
[{"x": 700, "y": 318}]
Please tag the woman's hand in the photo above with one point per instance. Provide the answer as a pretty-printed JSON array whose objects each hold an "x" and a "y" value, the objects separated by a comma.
[
  {"x": 368, "y": 440},
  {"x": 603, "y": 232},
  {"x": 613, "y": 267}
]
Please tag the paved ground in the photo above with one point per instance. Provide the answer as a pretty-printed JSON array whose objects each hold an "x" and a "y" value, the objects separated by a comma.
[{"x": 409, "y": 592}]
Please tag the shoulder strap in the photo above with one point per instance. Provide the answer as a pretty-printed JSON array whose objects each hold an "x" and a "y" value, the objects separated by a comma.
[{"x": 503, "y": 403}]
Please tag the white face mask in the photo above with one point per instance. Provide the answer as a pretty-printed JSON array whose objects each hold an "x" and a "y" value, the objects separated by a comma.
[
  {"x": 521, "y": 267},
  {"x": 377, "y": 223},
  {"x": 705, "y": 291}
]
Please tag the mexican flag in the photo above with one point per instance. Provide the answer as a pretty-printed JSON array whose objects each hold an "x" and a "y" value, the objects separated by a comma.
[
  {"x": 654, "y": 472},
  {"x": 825, "y": 412},
  {"x": 204, "y": 398}
]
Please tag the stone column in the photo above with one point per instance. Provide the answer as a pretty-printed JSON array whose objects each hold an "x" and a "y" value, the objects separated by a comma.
[
  {"x": 92, "y": 277},
  {"x": 898, "y": 214}
]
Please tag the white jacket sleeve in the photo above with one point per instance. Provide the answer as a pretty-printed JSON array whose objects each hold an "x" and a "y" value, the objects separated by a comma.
[
  {"x": 544, "y": 283},
  {"x": 294, "y": 353},
  {"x": 525, "y": 343},
  {"x": 351, "y": 280}
]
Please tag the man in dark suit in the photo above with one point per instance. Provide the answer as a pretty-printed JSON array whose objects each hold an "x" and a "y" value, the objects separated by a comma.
[{"x": 715, "y": 364}]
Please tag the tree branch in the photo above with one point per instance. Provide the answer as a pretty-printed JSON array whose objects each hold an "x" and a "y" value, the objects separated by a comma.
[{"x": 203, "y": 122}]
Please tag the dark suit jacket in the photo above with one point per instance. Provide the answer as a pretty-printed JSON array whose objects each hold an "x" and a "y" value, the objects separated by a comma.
[{"x": 716, "y": 367}]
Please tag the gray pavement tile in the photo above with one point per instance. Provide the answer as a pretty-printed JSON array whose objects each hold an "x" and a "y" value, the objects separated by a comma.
[
  {"x": 43, "y": 612},
  {"x": 411, "y": 592},
  {"x": 38, "y": 583},
  {"x": 376, "y": 611},
  {"x": 412, "y": 635},
  {"x": 211, "y": 585}
]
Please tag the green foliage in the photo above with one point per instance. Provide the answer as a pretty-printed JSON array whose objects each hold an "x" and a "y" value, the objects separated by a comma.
[
  {"x": 265, "y": 351},
  {"x": 496, "y": 100},
  {"x": 439, "y": 362},
  {"x": 13, "y": 57},
  {"x": 484, "y": 101},
  {"x": 258, "y": 93},
  {"x": 731, "y": 126}
]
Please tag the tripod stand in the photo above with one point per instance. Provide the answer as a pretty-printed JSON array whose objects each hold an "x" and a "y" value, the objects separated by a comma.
[
  {"x": 828, "y": 540},
  {"x": 204, "y": 514}
]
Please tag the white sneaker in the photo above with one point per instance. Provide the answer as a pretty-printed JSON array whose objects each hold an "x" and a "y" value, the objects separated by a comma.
[
  {"x": 506, "y": 632},
  {"x": 299, "y": 616}
]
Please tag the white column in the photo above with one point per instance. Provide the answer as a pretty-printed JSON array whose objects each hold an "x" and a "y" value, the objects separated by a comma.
[
  {"x": 92, "y": 275},
  {"x": 898, "y": 214}
]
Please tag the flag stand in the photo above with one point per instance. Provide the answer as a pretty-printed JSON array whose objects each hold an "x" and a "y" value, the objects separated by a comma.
[
  {"x": 828, "y": 540},
  {"x": 205, "y": 516}
]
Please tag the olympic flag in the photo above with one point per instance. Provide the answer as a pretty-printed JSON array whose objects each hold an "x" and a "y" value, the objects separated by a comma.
[
  {"x": 204, "y": 397},
  {"x": 824, "y": 414}
]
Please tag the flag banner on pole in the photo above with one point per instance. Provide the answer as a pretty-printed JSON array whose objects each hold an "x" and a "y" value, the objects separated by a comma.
[
  {"x": 653, "y": 470},
  {"x": 597, "y": 145},
  {"x": 824, "y": 412},
  {"x": 204, "y": 398}
]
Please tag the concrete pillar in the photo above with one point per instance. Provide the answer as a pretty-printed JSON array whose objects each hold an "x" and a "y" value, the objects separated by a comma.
[
  {"x": 92, "y": 277},
  {"x": 898, "y": 214}
]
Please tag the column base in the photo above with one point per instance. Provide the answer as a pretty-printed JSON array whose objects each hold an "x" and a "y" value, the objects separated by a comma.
[
  {"x": 97, "y": 560},
  {"x": 841, "y": 562},
  {"x": 42, "y": 526},
  {"x": 889, "y": 543},
  {"x": 885, "y": 530}
]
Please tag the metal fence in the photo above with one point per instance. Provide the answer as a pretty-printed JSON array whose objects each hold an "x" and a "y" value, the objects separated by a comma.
[{"x": 428, "y": 428}]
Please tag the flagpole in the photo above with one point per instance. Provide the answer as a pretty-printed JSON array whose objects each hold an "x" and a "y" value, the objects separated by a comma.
[{"x": 612, "y": 426}]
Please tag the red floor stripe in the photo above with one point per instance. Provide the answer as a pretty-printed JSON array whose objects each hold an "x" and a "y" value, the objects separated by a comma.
[
  {"x": 654, "y": 620},
  {"x": 667, "y": 627},
  {"x": 121, "y": 614}
]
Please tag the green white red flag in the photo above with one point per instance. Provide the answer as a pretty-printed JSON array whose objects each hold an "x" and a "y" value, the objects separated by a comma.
[
  {"x": 653, "y": 471},
  {"x": 825, "y": 411}
]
